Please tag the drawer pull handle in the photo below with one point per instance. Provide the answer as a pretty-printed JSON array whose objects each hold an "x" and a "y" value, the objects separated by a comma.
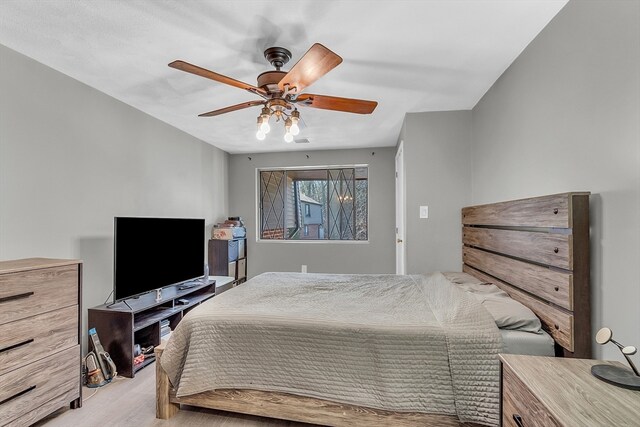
[
  {"x": 14, "y": 297},
  {"x": 518, "y": 420},
  {"x": 15, "y": 396},
  {"x": 20, "y": 344}
]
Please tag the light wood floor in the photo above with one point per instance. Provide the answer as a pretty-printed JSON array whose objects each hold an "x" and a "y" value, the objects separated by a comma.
[{"x": 131, "y": 403}]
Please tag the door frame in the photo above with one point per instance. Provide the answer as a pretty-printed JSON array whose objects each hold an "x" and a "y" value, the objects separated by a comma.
[{"x": 400, "y": 240}]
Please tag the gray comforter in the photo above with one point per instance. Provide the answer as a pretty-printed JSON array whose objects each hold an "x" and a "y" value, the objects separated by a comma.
[{"x": 402, "y": 343}]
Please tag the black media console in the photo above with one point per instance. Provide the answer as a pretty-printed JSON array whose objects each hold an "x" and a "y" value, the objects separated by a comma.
[{"x": 120, "y": 326}]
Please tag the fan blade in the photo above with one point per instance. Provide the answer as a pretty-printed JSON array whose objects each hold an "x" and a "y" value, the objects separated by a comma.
[
  {"x": 335, "y": 103},
  {"x": 202, "y": 72},
  {"x": 231, "y": 108},
  {"x": 317, "y": 62}
]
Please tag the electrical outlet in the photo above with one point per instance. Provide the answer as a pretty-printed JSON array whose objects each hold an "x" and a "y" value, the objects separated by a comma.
[
  {"x": 304, "y": 268},
  {"x": 424, "y": 211}
]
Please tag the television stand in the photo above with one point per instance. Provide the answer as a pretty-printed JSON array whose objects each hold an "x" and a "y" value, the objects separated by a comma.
[
  {"x": 188, "y": 285},
  {"x": 121, "y": 326},
  {"x": 124, "y": 301}
]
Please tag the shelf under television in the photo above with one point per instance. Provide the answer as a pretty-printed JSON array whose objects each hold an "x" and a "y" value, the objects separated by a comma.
[
  {"x": 158, "y": 313},
  {"x": 147, "y": 360}
]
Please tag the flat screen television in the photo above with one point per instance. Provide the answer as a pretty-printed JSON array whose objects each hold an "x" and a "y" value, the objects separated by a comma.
[{"x": 152, "y": 253}]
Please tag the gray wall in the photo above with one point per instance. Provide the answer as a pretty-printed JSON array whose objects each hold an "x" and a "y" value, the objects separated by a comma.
[
  {"x": 376, "y": 256},
  {"x": 72, "y": 158},
  {"x": 566, "y": 116},
  {"x": 438, "y": 174}
]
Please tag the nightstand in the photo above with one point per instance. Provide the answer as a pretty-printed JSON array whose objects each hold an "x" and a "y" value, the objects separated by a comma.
[{"x": 550, "y": 391}]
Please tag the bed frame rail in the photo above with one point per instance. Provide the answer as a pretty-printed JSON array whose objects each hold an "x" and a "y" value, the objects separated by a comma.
[{"x": 289, "y": 407}]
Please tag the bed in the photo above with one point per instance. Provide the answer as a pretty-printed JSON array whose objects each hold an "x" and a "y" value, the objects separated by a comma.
[{"x": 535, "y": 250}]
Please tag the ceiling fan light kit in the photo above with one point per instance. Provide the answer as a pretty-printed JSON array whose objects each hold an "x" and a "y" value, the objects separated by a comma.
[{"x": 281, "y": 90}]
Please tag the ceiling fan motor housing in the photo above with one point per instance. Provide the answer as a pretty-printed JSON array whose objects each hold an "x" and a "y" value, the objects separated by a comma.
[
  {"x": 269, "y": 80},
  {"x": 277, "y": 56}
]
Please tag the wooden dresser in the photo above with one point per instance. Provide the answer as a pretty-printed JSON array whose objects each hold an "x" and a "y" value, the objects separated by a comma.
[
  {"x": 40, "y": 356},
  {"x": 552, "y": 391}
]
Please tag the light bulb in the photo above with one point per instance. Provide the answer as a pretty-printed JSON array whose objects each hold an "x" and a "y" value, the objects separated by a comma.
[
  {"x": 263, "y": 120},
  {"x": 295, "y": 118},
  {"x": 260, "y": 135},
  {"x": 288, "y": 137}
]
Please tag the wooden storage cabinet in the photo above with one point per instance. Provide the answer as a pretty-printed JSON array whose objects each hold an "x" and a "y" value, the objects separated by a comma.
[
  {"x": 228, "y": 258},
  {"x": 120, "y": 327},
  {"x": 554, "y": 391},
  {"x": 40, "y": 359}
]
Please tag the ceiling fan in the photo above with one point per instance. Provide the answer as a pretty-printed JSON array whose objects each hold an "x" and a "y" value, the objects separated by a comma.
[{"x": 281, "y": 91}]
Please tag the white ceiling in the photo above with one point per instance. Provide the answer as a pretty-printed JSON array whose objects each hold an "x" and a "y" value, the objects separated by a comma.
[{"x": 410, "y": 56}]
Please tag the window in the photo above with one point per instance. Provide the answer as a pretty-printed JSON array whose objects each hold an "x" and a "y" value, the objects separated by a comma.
[{"x": 324, "y": 203}]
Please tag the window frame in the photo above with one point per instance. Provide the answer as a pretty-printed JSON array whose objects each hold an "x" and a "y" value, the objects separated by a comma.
[{"x": 256, "y": 181}]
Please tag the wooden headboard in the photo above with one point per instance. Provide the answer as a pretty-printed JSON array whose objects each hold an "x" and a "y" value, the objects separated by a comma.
[{"x": 537, "y": 250}]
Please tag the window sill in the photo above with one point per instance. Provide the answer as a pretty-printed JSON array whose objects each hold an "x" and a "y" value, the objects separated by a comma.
[{"x": 321, "y": 242}]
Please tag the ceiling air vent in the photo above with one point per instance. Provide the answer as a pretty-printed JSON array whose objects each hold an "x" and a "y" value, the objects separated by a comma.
[{"x": 302, "y": 141}]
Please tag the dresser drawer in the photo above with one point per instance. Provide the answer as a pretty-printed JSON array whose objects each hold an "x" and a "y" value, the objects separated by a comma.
[
  {"x": 519, "y": 402},
  {"x": 33, "y": 292},
  {"x": 36, "y": 337},
  {"x": 25, "y": 389},
  {"x": 28, "y": 419}
]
